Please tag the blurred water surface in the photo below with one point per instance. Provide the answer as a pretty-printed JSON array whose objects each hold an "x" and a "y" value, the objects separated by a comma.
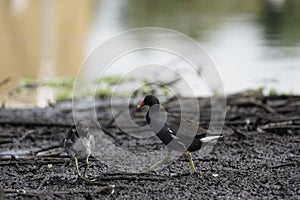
[{"x": 253, "y": 43}]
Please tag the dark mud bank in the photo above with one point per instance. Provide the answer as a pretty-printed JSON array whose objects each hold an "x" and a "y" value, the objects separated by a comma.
[{"x": 259, "y": 156}]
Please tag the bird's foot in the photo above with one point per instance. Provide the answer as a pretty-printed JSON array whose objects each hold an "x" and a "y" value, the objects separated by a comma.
[
  {"x": 80, "y": 179},
  {"x": 147, "y": 171},
  {"x": 197, "y": 175}
]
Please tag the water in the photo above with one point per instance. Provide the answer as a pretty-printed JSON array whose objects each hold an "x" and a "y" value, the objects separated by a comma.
[{"x": 253, "y": 44}]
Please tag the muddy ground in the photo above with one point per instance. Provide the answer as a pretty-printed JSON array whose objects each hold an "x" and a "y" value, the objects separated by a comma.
[{"x": 258, "y": 158}]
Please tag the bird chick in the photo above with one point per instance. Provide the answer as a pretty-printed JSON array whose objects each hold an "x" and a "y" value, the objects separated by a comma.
[{"x": 79, "y": 145}]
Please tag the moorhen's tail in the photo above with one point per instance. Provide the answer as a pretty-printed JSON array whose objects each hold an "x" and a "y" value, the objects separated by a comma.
[{"x": 210, "y": 138}]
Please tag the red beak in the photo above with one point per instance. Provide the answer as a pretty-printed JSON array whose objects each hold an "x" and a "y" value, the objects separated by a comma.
[{"x": 140, "y": 104}]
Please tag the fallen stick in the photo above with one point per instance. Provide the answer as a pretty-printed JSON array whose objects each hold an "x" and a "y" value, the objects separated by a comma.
[{"x": 4, "y": 81}]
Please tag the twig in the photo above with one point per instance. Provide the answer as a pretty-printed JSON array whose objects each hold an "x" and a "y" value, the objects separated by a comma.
[
  {"x": 43, "y": 182},
  {"x": 4, "y": 81},
  {"x": 47, "y": 149},
  {"x": 107, "y": 132},
  {"x": 169, "y": 100},
  {"x": 282, "y": 165},
  {"x": 250, "y": 102},
  {"x": 200, "y": 159},
  {"x": 43, "y": 192},
  {"x": 6, "y": 140},
  {"x": 30, "y": 162},
  {"x": 171, "y": 82},
  {"x": 266, "y": 127},
  {"x": 240, "y": 133},
  {"x": 130, "y": 177},
  {"x": 34, "y": 123},
  {"x": 28, "y": 133},
  {"x": 113, "y": 119}
]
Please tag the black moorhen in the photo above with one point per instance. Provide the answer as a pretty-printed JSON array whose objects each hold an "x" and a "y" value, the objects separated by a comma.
[
  {"x": 79, "y": 144},
  {"x": 178, "y": 134}
]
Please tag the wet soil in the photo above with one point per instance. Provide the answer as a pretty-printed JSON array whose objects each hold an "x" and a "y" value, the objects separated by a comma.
[{"x": 258, "y": 157}]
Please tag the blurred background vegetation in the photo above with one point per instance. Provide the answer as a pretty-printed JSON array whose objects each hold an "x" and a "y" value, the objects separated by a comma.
[{"x": 253, "y": 43}]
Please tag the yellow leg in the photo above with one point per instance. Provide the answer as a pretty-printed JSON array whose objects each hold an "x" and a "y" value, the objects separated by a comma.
[
  {"x": 189, "y": 155},
  {"x": 159, "y": 163},
  {"x": 77, "y": 169},
  {"x": 86, "y": 166}
]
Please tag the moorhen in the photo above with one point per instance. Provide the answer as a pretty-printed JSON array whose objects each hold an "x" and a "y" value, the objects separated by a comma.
[
  {"x": 79, "y": 144},
  {"x": 178, "y": 134}
]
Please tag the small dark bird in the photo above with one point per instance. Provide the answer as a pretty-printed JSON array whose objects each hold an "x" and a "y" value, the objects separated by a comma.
[
  {"x": 178, "y": 134},
  {"x": 79, "y": 144}
]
